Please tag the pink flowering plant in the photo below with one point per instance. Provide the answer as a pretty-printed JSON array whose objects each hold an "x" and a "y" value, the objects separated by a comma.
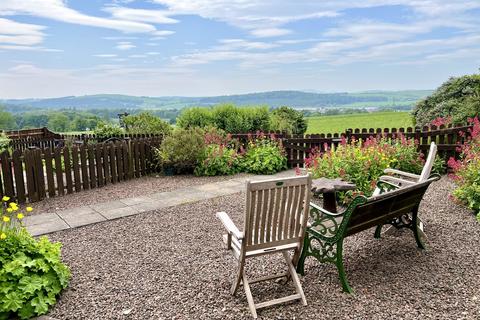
[
  {"x": 264, "y": 155},
  {"x": 466, "y": 170},
  {"x": 220, "y": 156},
  {"x": 363, "y": 162}
]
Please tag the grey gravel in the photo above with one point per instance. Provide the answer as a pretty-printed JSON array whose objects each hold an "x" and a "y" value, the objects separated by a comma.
[
  {"x": 170, "y": 264},
  {"x": 126, "y": 189}
]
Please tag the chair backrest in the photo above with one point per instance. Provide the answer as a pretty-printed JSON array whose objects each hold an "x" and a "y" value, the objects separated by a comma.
[
  {"x": 276, "y": 212},
  {"x": 383, "y": 208},
  {"x": 427, "y": 168}
]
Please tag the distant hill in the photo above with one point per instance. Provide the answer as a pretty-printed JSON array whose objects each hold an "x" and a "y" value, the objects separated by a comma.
[{"x": 296, "y": 99}]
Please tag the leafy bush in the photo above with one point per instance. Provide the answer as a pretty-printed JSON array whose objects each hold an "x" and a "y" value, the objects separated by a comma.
[
  {"x": 264, "y": 156},
  {"x": 146, "y": 123},
  {"x": 105, "y": 130},
  {"x": 466, "y": 170},
  {"x": 289, "y": 120},
  {"x": 181, "y": 150},
  {"x": 4, "y": 142},
  {"x": 31, "y": 271},
  {"x": 218, "y": 159},
  {"x": 457, "y": 97},
  {"x": 363, "y": 162},
  {"x": 195, "y": 117},
  {"x": 226, "y": 117}
]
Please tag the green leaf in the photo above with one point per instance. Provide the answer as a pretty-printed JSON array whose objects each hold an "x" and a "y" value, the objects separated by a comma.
[
  {"x": 30, "y": 284},
  {"x": 12, "y": 301},
  {"x": 40, "y": 304},
  {"x": 27, "y": 311}
]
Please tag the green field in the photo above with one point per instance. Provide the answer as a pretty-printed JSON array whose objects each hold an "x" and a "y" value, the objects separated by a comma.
[{"x": 338, "y": 123}]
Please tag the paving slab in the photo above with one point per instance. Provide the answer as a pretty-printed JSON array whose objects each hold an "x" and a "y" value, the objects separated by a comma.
[
  {"x": 40, "y": 218},
  {"x": 135, "y": 201},
  {"x": 119, "y": 212},
  {"x": 48, "y": 225},
  {"x": 107, "y": 206},
  {"x": 80, "y": 216}
]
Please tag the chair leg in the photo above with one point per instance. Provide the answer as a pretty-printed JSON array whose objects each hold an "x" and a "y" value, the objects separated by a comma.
[
  {"x": 296, "y": 280},
  {"x": 417, "y": 232},
  {"x": 248, "y": 293},
  {"x": 378, "y": 231},
  {"x": 238, "y": 278},
  {"x": 301, "y": 261},
  {"x": 341, "y": 269}
]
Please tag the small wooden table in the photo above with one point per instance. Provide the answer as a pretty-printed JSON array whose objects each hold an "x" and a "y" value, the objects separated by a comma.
[{"x": 328, "y": 187}]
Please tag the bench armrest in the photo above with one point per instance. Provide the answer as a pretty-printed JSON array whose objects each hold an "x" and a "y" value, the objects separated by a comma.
[
  {"x": 229, "y": 225},
  {"x": 402, "y": 173},
  {"x": 395, "y": 181},
  {"x": 324, "y": 211}
]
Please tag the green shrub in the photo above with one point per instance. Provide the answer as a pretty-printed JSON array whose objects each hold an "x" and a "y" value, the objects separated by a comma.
[
  {"x": 218, "y": 159},
  {"x": 363, "y": 162},
  {"x": 181, "y": 150},
  {"x": 458, "y": 97},
  {"x": 195, "y": 117},
  {"x": 146, "y": 123},
  {"x": 105, "y": 130},
  {"x": 31, "y": 271},
  {"x": 289, "y": 120},
  {"x": 226, "y": 117},
  {"x": 466, "y": 170},
  {"x": 264, "y": 156},
  {"x": 4, "y": 142}
]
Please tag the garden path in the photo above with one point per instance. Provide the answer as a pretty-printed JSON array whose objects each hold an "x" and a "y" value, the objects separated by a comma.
[{"x": 57, "y": 220}]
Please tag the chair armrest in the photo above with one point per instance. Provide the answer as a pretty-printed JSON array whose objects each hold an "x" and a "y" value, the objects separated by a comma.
[
  {"x": 229, "y": 225},
  {"x": 394, "y": 180},
  {"x": 402, "y": 173}
]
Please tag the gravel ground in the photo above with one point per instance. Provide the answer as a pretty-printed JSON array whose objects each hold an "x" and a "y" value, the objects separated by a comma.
[
  {"x": 170, "y": 264},
  {"x": 127, "y": 189}
]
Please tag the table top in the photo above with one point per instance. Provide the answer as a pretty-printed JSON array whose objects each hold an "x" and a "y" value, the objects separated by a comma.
[{"x": 323, "y": 185}]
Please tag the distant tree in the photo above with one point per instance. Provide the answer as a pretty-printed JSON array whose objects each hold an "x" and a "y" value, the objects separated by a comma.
[
  {"x": 58, "y": 122},
  {"x": 289, "y": 120},
  {"x": 228, "y": 117},
  {"x": 146, "y": 122},
  {"x": 195, "y": 117},
  {"x": 7, "y": 121},
  {"x": 457, "y": 97}
]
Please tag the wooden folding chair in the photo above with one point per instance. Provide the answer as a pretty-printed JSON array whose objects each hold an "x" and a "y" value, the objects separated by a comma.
[{"x": 275, "y": 221}]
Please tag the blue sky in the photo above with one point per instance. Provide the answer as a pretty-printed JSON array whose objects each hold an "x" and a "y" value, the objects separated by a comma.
[{"x": 54, "y": 48}]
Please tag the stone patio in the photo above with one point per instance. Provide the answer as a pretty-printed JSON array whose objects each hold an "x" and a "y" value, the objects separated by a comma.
[{"x": 80, "y": 216}]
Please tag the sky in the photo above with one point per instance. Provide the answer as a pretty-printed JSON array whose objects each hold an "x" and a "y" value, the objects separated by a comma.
[{"x": 52, "y": 48}]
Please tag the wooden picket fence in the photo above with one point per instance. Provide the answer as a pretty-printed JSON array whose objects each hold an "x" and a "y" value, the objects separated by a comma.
[
  {"x": 32, "y": 175},
  {"x": 299, "y": 147}
]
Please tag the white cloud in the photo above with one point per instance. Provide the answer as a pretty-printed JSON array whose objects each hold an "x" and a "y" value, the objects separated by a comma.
[
  {"x": 162, "y": 33},
  {"x": 228, "y": 44},
  {"x": 105, "y": 55},
  {"x": 153, "y": 53},
  {"x": 125, "y": 45},
  {"x": 143, "y": 15},
  {"x": 137, "y": 56},
  {"x": 270, "y": 32}
]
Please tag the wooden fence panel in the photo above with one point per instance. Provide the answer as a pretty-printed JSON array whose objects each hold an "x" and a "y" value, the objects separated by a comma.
[
  {"x": 119, "y": 154},
  {"x": 91, "y": 167},
  {"x": 39, "y": 174},
  {"x": 59, "y": 171},
  {"x": 106, "y": 163},
  {"x": 7, "y": 174},
  {"x": 113, "y": 162},
  {"x": 98, "y": 160},
  {"x": 17, "y": 159},
  {"x": 49, "y": 172},
  {"x": 84, "y": 166},
  {"x": 68, "y": 169},
  {"x": 76, "y": 169}
]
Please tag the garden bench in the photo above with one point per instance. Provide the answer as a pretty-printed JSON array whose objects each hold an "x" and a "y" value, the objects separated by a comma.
[{"x": 325, "y": 235}]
